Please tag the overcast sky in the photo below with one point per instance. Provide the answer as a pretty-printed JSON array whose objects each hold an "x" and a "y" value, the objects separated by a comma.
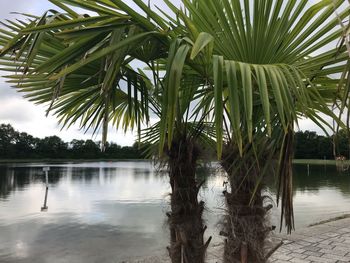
[{"x": 26, "y": 117}]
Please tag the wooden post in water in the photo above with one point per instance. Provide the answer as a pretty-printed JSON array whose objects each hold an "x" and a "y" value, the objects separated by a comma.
[{"x": 46, "y": 170}]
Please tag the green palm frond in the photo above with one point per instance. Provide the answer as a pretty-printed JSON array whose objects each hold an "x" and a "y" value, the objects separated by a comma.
[
  {"x": 81, "y": 77},
  {"x": 252, "y": 67},
  {"x": 269, "y": 59}
]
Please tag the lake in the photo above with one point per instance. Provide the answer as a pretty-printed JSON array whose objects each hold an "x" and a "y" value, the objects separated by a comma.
[{"x": 114, "y": 211}]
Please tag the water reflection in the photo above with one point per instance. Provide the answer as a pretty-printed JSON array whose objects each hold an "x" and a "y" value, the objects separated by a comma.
[
  {"x": 320, "y": 192},
  {"x": 320, "y": 177},
  {"x": 97, "y": 214},
  {"x": 16, "y": 179},
  {"x": 107, "y": 212}
]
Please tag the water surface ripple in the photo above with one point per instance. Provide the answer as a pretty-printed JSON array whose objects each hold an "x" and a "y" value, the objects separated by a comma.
[{"x": 111, "y": 211}]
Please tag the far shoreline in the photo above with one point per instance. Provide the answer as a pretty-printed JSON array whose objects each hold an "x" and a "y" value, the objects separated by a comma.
[
  {"x": 43, "y": 160},
  {"x": 68, "y": 160},
  {"x": 319, "y": 162}
]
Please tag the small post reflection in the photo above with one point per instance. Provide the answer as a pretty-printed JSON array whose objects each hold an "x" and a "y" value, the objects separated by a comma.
[{"x": 44, "y": 208}]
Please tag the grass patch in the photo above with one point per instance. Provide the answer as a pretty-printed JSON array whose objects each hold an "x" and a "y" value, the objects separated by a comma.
[{"x": 318, "y": 162}]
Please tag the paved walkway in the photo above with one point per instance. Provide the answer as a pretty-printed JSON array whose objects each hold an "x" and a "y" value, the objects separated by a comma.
[{"x": 325, "y": 243}]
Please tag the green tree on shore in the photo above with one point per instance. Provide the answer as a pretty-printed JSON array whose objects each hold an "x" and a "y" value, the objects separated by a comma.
[{"x": 20, "y": 145}]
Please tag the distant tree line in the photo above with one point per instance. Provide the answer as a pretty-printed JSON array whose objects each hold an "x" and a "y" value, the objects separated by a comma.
[
  {"x": 310, "y": 145},
  {"x": 20, "y": 145}
]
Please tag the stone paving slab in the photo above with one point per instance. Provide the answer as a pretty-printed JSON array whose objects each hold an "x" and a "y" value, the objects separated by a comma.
[{"x": 326, "y": 243}]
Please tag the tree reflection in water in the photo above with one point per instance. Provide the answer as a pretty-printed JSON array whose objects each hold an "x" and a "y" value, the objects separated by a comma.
[{"x": 119, "y": 207}]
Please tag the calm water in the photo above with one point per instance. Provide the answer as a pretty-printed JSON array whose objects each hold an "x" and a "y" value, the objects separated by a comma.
[{"x": 112, "y": 211}]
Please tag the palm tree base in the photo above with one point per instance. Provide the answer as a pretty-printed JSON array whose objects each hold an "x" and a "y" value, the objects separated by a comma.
[
  {"x": 245, "y": 229},
  {"x": 185, "y": 219},
  {"x": 245, "y": 224}
]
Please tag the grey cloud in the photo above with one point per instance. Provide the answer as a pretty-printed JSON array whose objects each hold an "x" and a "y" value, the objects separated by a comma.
[
  {"x": 23, "y": 6},
  {"x": 7, "y": 92},
  {"x": 14, "y": 109}
]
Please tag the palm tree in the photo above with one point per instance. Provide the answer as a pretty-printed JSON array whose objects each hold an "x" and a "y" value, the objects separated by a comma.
[
  {"x": 181, "y": 158},
  {"x": 103, "y": 88},
  {"x": 259, "y": 67},
  {"x": 81, "y": 67},
  {"x": 344, "y": 41},
  {"x": 271, "y": 65}
]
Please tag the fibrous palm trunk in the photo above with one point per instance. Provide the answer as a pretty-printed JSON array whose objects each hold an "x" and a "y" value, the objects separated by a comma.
[
  {"x": 185, "y": 219},
  {"x": 244, "y": 224}
]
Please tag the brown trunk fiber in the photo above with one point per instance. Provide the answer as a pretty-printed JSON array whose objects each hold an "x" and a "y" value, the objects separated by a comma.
[
  {"x": 245, "y": 223},
  {"x": 186, "y": 225}
]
